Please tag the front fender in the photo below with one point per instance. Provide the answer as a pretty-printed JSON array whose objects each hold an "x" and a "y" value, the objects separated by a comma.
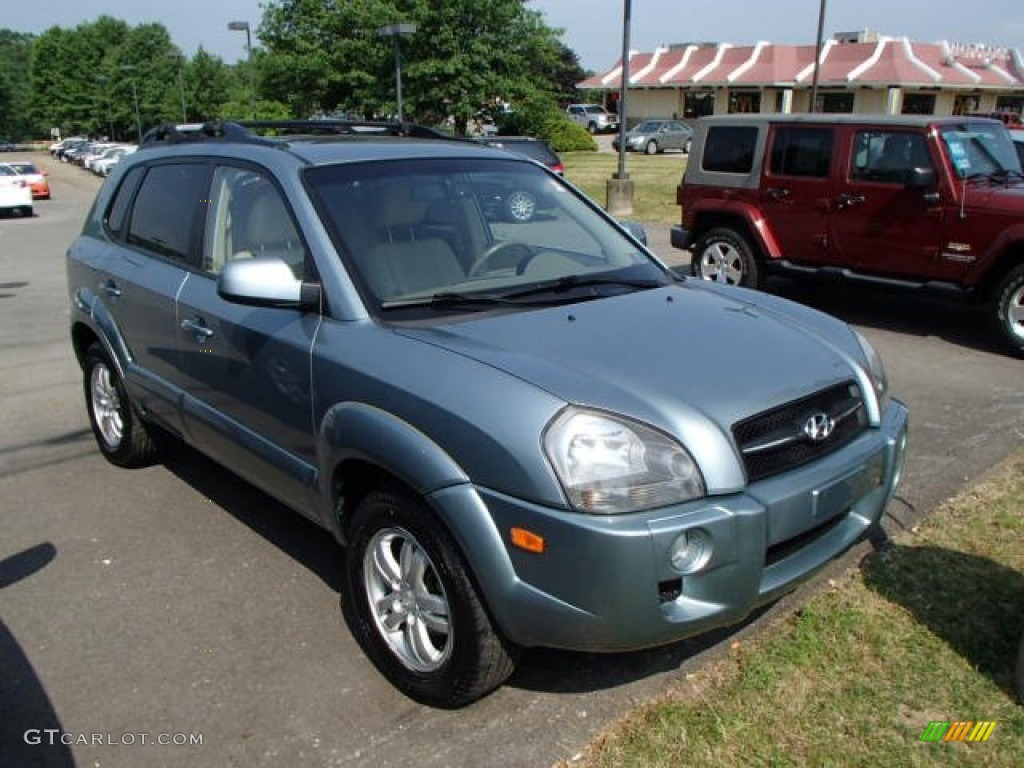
[{"x": 358, "y": 431}]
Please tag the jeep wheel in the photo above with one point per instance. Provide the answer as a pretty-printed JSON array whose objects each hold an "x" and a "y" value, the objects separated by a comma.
[
  {"x": 1009, "y": 308},
  {"x": 520, "y": 206},
  {"x": 120, "y": 434},
  {"x": 651, "y": 148},
  {"x": 725, "y": 256},
  {"x": 415, "y": 609}
]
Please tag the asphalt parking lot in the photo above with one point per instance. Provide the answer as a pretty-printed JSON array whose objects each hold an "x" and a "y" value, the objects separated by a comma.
[{"x": 178, "y": 601}]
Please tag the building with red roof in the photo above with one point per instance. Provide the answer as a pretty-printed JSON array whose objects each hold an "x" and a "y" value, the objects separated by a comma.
[{"x": 857, "y": 72}]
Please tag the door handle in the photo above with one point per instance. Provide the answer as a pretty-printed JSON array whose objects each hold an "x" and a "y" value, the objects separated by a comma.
[
  {"x": 197, "y": 328},
  {"x": 110, "y": 288},
  {"x": 845, "y": 200},
  {"x": 777, "y": 193}
]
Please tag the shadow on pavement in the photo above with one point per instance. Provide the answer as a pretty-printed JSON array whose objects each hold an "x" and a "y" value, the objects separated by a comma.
[
  {"x": 29, "y": 726},
  {"x": 973, "y": 603}
]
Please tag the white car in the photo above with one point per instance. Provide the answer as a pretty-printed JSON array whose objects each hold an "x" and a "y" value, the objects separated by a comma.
[
  {"x": 102, "y": 166},
  {"x": 15, "y": 194}
]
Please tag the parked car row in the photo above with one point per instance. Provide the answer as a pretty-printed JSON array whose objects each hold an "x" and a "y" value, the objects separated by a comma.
[{"x": 97, "y": 156}]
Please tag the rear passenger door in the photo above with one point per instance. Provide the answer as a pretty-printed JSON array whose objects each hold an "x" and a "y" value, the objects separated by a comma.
[
  {"x": 152, "y": 226},
  {"x": 246, "y": 369},
  {"x": 796, "y": 190}
]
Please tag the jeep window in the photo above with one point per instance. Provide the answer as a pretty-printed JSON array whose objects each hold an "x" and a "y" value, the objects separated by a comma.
[
  {"x": 729, "y": 149},
  {"x": 802, "y": 152},
  {"x": 248, "y": 218},
  {"x": 978, "y": 149},
  {"x": 165, "y": 210},
  {"x": 420, "y": 228},
  {"x": 888, "y": 156}
]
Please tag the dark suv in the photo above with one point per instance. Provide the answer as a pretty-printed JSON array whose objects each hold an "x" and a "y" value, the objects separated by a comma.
[
  {"x": 496, "y": 418},
  {"x": 927, "y": 202}
]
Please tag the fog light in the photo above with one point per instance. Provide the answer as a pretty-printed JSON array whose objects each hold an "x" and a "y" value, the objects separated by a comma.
[{"x": 690, "y": 551}]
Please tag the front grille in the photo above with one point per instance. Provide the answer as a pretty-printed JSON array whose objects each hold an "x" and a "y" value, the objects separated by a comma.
[{"x": 792, "y": 435}]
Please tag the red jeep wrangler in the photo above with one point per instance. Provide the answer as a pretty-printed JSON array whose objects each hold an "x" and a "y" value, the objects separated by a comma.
[{"x": 921, "y": 202}]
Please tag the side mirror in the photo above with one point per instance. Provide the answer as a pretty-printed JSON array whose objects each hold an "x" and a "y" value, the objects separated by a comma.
[
  {"x": 921, "y": 178},
  {"x": 636, "y": 229},
  {"x": 266, "y": 282}
]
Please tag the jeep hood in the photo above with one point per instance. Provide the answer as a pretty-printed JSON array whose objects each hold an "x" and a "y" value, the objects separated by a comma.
[{"x": 667, "y": 356}]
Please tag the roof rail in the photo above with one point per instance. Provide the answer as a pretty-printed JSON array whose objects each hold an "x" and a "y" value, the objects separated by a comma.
[{"x": 247, "y": 131}]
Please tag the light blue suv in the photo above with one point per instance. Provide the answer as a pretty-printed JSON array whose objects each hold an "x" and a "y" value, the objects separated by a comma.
[{"x": 523, "y": 433}]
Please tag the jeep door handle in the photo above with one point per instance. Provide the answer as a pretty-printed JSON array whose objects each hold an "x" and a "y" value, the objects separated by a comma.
[
  {"x": 110, "y": 288},
  {"x": 845, "y": 200},
  {"x": 777, "y": 193},
  {"x": 197, "y": 327}
]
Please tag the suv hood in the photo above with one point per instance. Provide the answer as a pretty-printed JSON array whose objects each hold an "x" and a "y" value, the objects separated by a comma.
[{"x": 662, "y": 356}]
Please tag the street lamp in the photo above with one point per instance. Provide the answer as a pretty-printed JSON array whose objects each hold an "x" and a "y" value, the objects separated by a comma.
[
  {"x": 619, "y": 189},
  {"x": 106, "y": 93},
  {"x": 398, "y": 31},
  {"x": 135, "y": 98},
  {"x": 817, "y": 58},
  {"x": 240, "y": 26}
]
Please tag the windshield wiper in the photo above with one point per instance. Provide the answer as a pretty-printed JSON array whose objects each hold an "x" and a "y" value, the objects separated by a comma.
[
  {"x": 449, "y": 299},
  {"x": 571, "y": 282}
]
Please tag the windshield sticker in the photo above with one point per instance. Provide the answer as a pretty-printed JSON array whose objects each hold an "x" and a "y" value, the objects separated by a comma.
[{"x": 958, "y": 153}]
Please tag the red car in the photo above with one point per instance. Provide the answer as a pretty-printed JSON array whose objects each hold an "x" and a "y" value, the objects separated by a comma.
[{"x": 36, "y": 178}]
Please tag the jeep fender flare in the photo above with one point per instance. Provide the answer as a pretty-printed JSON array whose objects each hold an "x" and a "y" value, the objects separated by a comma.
[
  {"x": 1005, "y": 251},
  {"x": 719, "y": 213},
  {"x": 362, "y": 432}
]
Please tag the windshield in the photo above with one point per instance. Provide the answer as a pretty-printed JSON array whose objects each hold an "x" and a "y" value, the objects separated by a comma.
[
  {"x": 595, "y": 110},
  {"x": 978, "y": 149},
  {"x": 481, "y": 229}
]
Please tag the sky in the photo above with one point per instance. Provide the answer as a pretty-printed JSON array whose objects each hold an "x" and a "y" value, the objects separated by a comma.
[{"x": 593, "y": 28}]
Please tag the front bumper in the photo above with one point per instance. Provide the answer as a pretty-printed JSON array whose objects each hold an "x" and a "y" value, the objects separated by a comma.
[{"x": 607, "y": 583}]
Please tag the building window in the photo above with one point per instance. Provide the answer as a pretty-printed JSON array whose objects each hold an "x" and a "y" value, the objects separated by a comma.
[
  {"x": 918, "y": 104},
  {"x": 699, "y": 104},
  {"x": 744, "y": 101},
  {"x": 836, "y": 102}
]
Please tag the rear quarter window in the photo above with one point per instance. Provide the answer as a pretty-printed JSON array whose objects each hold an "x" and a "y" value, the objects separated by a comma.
[{"x": 729, "y": 149}]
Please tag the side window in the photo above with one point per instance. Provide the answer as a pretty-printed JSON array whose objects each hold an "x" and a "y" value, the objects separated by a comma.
[
  {"x": 802, "y": 152},
  {"x": 729, "y": 149},
  {"x": 248, "y": 219},
  {"x": 117, "y": 214},
  {"x": 165, "y": 210},
  {"x": 887, "y": 156}
]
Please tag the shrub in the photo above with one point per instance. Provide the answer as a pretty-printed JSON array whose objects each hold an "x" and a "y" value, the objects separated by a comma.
[{"x": 564, "y": 135}]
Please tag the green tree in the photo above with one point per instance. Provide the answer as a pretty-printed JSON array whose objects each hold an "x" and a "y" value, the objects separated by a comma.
[
  {"x": 208, "y": 86},
  {"x": 323, "y": 55},
  {"x": 15, "y": 89}
]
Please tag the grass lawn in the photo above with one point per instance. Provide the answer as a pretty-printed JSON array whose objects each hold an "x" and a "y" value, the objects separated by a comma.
[
  {"x": 655, "y": 178},
  {"x": 924, "y": 630}
]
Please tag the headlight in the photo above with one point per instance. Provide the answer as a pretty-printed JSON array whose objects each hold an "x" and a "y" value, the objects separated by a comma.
[
  {"x": 875, "y": 369},
  {"x": 608, "y": 464}
]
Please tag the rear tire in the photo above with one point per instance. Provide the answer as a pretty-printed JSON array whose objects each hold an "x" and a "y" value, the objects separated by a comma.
[
  {"x": 122, "y": 437},
  {"x": 1008, "y": 309},
  {"x": 413, "y": 606},
  {"x": 725, "y": 256}
]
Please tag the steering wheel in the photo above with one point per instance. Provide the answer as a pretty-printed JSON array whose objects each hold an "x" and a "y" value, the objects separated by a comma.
[{"x": 480, "y": 265}]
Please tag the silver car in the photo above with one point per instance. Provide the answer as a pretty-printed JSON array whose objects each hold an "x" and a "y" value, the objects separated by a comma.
[
  {"x": 523, "y": 433},
  {"x": 654, "y": 136}
]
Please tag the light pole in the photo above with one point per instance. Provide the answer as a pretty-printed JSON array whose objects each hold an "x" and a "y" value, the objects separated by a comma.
[
  {"x": 239, "y": 26},
  {"x": 106, "y": 93},
  {"x": 135, "y": 98},
  {"x": 398, "y": 31},
  {"x": 817, "y": 58},
  {"x": 619, "y": 190}
]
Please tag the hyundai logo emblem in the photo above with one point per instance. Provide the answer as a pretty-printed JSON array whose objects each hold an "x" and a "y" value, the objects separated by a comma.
[{"x": 819, "y": 426}]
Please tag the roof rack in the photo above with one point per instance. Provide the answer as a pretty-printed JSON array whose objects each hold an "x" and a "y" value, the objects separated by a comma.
[{"x": 247, "y": 131}]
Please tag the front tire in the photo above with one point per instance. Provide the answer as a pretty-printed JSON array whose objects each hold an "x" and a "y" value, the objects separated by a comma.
[
  {"x": 122, "y": 437},
  {"x": 1008, "y": 308},
  {"x": 725, "y": 256},
  {"x": 651, "y": 148},
  {"x": 414, "y": 608}
]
